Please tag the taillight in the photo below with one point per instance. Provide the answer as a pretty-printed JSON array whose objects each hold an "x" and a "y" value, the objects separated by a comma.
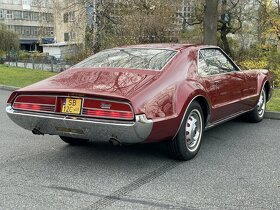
[
  {"x": 35, "y": 103},
  {"x": 107, "y": 109}
]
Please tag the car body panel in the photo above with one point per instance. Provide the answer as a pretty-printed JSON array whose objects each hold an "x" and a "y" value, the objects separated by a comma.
[{"x": 162, "y": 97}]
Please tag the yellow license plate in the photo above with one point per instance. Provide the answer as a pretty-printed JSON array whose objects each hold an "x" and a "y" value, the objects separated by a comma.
[{"x": 71, "y": 105}]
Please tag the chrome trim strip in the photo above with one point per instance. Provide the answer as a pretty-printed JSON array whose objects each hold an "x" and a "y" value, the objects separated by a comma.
[{"x": 226, "y": 119}]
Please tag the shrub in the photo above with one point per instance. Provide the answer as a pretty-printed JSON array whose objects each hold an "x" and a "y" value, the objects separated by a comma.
[{"x": 269, "y": 61}]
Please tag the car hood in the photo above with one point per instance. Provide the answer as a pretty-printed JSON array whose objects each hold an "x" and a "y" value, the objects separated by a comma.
[{"x": 114, "y": 82}]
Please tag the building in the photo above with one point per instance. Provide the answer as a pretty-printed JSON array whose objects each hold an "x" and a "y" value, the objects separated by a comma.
[
  {"x": 40, "y": 22},
  {"x": 70, "y": 20},
  {"x": 32, "y": 20}
]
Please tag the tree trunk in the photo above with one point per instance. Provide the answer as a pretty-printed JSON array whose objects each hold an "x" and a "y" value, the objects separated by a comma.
[
  {"x": 224, "y": 28},
  {"x": 225, "y": 42},
  {"x": 210, "y": 22}
]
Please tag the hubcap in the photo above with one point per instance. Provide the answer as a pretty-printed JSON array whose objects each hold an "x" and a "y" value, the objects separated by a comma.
[
  {"x": 193, "y": 130},
  {"x": 261, "y": 104}
]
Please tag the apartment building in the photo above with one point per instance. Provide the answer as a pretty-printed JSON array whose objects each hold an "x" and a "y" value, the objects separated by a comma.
[
  {"x": 70, "y": 20},
  {"x": 32, "y": 20}
]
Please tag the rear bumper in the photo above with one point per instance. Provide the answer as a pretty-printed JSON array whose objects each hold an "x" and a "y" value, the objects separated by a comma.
[{"x": 85, "y": 128}]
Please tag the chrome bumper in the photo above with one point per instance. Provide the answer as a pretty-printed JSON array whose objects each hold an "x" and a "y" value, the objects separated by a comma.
[{"x": 85, "y": 128}]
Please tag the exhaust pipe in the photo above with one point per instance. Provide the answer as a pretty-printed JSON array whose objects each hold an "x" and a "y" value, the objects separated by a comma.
[
  {"x": 114, "y": 141},
  {"x": 36, "y": 131}
]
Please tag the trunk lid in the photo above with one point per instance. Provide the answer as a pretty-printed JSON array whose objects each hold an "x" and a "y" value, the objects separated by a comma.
[{"x": 107, "y": 82}]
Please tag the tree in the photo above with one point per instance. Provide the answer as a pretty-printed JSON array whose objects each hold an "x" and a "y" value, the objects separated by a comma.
[
  {"x": 269, "y": 22},
  {"x": 8, "y": 39},
  {"x": 132, "y": 22},
  {"x": 230, "y": 20},
  {"x": 210, "y": 22}
]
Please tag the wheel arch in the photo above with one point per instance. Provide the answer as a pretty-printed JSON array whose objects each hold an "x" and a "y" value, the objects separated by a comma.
[
  {"x": 267, "y": 87},
  {"x": 204, "y": 106},
  {"x": 202, "y": 101}
]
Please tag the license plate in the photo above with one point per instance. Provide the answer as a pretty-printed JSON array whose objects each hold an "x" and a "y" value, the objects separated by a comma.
[{"x": 71, "y": 105}]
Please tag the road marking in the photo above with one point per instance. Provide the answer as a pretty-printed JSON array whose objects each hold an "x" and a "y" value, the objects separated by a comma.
[{"x": 125, "y": 190}]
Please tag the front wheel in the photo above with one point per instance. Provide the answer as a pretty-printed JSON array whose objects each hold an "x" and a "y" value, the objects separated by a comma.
[
  {"x": 187, "y": 142},
  {"x": 257, "y": 114}
]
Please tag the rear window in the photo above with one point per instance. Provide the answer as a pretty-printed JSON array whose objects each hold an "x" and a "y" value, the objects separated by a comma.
[{"x": 133, "y": 58}]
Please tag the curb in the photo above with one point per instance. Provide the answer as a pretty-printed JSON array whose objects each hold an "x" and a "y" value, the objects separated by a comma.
[
  {"x": 267, "y": 115},
  {"x": 272, "y": 115},
  {"x": 5, "y": 87}
]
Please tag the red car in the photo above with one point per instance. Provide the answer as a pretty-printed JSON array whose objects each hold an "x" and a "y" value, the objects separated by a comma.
[{"x": 143, "y": 94}]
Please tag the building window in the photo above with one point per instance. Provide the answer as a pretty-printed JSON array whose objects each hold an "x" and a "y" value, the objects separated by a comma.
[
  {"x": 43, "y": 16},
  {"x": 71, "y": 16},
  {"x": 9, "y": 14},
  {"x": 34, "y": 2},
  {"x": 2, "y": 14},
  {"x": 17, "y": 15},
  {"x": 35, "y": 16},
  {"x": 49, "y": 31},
  {"x": 18, "y": 29},
  {"x": 66, "y": 37},
  {"x": 65, "y": 17},
  {"x": 72, "y": 35},
  {"x": 17, "y": 1},
  {"x": 35, "y": 31},
  {"x": 26, "y": 30},
  {"x": 26, "y": 15},
  {"x": 44, "y": 3}
]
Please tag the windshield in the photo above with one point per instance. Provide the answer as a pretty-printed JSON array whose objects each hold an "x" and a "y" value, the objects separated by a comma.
[{"x": 133, "y": 58}]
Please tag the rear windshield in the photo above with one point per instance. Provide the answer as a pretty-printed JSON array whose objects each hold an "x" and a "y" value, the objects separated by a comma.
[{"x": 133, "y": 58}]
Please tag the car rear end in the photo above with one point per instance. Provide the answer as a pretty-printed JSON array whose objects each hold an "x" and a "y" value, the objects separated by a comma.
[{"x": 72, "y": 115}]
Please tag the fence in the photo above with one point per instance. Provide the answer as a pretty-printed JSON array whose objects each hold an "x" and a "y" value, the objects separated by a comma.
[{"x": 46, "y": 63}]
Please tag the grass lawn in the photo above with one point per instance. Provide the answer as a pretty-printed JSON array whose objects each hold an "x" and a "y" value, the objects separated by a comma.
[
  {"x": 274, "y": 103},
  {"x": 21, "y": 77}
]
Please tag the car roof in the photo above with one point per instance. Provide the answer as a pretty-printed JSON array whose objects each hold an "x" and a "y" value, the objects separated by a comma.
[{"x": 169, "y": 46}]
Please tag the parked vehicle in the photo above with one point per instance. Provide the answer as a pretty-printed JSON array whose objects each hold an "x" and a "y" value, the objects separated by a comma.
[{"x": 143, "y": 94}]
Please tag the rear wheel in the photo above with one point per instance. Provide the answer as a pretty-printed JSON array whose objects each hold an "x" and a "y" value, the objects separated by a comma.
[
  {"x": 73, "y": 141},
  {"x": 187, "y": 142},
  {"x": 257, "y": 114}
]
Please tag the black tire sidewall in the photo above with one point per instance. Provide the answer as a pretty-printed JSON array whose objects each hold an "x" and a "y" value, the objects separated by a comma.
[{"x": 180, "y": 138}]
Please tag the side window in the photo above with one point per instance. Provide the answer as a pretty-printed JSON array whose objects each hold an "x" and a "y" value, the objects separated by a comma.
[
  {"x": 216, "y": 62},
  {"x": 203, "y": 69}
]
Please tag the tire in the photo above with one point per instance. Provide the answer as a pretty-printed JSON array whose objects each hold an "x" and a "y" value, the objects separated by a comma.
[
  {"x": 187, "y": 142},
  {"x": 257, "y": 114},
  {"x": 74, "y": 141}
]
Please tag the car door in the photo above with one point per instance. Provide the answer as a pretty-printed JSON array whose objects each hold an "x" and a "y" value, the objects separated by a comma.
[{"x": 223, "y": 81}]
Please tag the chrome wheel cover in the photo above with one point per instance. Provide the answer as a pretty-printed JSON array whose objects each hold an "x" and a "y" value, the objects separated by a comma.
[
  {"x": 193, "y": 130},
  {"x": 261, "y": 104}
]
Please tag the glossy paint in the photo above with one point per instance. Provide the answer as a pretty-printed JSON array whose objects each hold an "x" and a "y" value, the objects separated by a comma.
[{"x": 163, "y": 96}]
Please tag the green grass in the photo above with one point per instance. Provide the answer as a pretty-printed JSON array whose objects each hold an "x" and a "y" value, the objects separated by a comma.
[
  {"x": 21, "y": 77},
  {"x": 274, "y": 103}
]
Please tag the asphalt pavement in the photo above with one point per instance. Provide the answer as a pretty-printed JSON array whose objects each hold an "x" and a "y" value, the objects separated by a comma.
[{"x": 238, "y": 167}]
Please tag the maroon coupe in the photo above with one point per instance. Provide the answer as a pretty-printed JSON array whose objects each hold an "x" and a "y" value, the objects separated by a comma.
[{"x": 143, "y": 94}]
